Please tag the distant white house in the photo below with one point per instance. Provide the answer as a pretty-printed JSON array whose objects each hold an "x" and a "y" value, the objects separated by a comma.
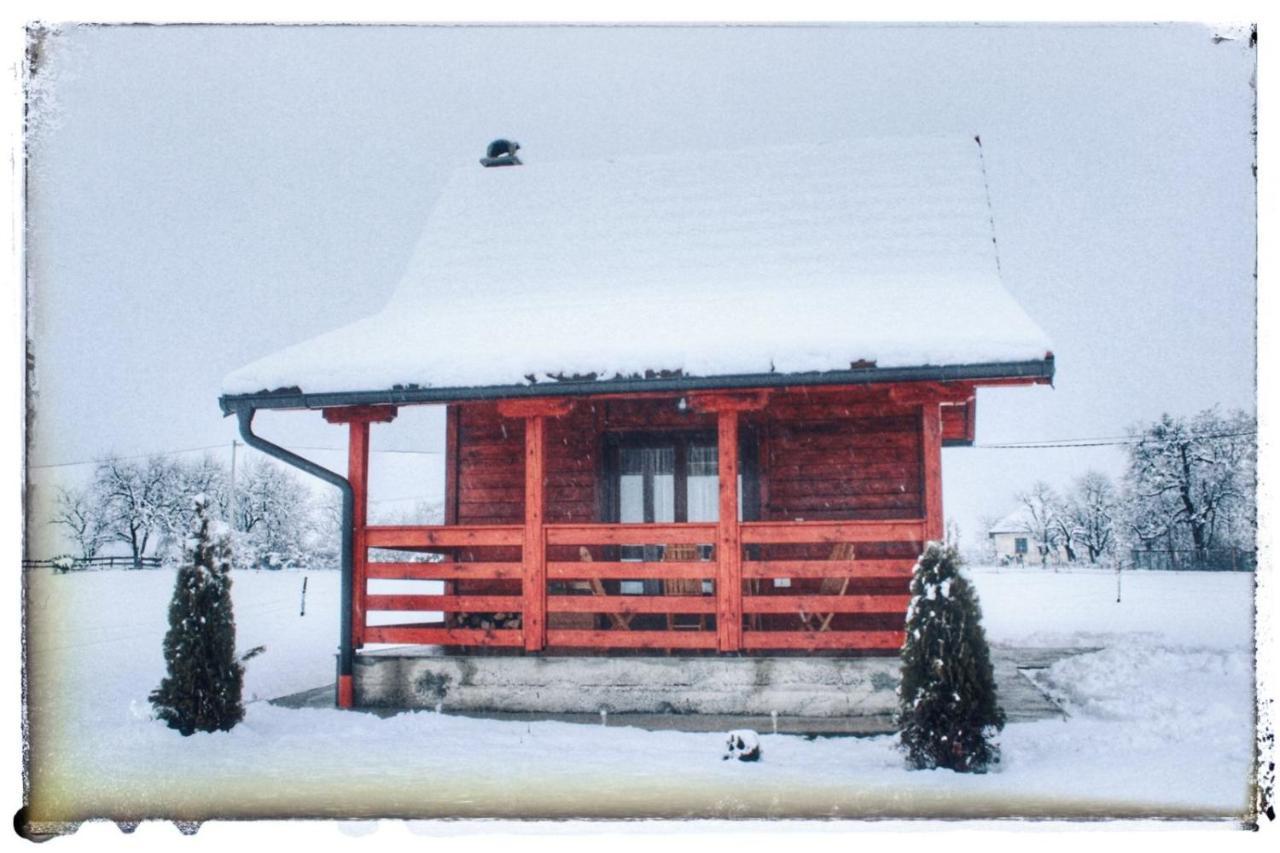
[{"x": 1014, "y": 542}]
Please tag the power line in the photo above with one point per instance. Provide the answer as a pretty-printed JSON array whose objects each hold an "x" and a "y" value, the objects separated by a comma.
[
  {"x": 1098, "y": 442},
  {"x": 133, "y": 456},
  {"x": 220, "y": 447}
]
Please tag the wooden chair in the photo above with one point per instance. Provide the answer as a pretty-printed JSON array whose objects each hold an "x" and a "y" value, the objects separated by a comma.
[
  {"x": 842, "y": 552},
  {"x": 683, "y": 586},
  {"x": 621, "y": 621}
]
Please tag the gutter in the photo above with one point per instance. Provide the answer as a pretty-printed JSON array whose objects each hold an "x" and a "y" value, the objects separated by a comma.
[
  {"x": 293, "y": 398},
  {"x": 346, "y": 655}
]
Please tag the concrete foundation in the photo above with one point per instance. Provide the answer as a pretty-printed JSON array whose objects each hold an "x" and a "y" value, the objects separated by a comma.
[{"x": 808, "y": 687}]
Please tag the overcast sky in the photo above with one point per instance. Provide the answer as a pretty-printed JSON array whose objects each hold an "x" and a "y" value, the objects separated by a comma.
[{"x": 202, "y": 196}]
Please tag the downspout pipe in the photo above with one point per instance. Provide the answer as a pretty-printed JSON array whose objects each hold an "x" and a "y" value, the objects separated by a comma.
[{"x": 346, "y": 655}]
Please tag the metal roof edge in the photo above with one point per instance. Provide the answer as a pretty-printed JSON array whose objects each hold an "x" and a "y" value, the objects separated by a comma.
[{"x": 294, "y": 398}]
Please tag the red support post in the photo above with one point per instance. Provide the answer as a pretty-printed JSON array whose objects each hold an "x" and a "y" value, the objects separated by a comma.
[
  {"x": 534, "y": 547},
  {"x": 358, "y": 475},
  {"x": 931, "y": 450},
  {"x": 729, "y": 538}
]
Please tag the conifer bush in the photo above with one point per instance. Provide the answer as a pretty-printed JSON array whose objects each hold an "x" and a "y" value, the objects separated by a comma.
[
  {"x": 948, "y": 715},
  {"x": 202, "y": 689}
]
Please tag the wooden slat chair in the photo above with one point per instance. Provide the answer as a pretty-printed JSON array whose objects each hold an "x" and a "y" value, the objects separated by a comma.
[
  {"x": 683, "y": 586},
  {"x": 842, "y": 552},
  {"x": 620, "y": 621}
]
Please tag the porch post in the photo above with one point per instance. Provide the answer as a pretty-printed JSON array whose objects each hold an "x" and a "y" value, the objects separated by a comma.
[
  {"x": 534, "y": 547},
  {"x": 358, "y": 475},
  {"x": 729, "y": 542},
  {"x": 358, "y": 419},
  {"x": 535, "y": 550},
  {"x": 931, "y": 450}
]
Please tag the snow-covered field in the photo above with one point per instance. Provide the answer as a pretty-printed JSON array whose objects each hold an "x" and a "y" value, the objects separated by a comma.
[{"x": 1161, "y": 721}]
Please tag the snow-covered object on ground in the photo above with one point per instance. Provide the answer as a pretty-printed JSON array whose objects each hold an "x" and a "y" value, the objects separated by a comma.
[
  {"x": 742, "y": 744},
  {"x": 778, "y": 260}
]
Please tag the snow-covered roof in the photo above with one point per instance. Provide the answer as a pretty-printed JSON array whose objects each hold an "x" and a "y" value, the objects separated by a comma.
[
  {"x": 1018, "y": 521},
  {"x": 780, "y": 260}
]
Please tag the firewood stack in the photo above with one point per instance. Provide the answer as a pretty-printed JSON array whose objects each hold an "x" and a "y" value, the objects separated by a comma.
[{"x": 488, "y": 621}]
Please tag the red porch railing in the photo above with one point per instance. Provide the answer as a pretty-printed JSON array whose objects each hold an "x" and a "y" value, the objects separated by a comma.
[
  {"x": 838, "y": 585},
  {"x": 448, "y": 541}
]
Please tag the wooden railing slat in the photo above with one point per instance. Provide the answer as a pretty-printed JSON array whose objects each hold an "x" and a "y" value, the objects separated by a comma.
[
  {"x": 827, "y": 568},
  {"x": 825, "y": 532},
  {"x": 422, "y": 536},
  {"x": 859, "y": 640},
  {"x": 442, "y": 636},
  {"x": 445, "y": 571},
  {"x": 630, "y": 534},
  {"x": 631, "y": 570},
  {"x": 631, "y": 604},
  {"x": 826, "y": 603},
  {"x": 447, "y": 603},
  {"x": 632, "y": 639}
]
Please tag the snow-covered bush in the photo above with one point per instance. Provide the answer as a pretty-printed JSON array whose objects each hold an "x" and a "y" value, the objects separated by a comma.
[
  {"x": 202, "y": 689},
  {"x": 947, "y": 714}
]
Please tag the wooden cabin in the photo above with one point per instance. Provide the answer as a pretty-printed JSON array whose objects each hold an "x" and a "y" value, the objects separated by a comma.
[{"x": 695, "y": 405}]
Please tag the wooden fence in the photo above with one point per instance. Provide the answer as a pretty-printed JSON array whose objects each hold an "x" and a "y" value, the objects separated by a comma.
[{"x": 76, "y": 564}]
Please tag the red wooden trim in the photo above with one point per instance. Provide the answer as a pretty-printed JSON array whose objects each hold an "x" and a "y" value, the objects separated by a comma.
[
  {"x": 630, "y": 534},
  {"x": 630, "y": 571},
  {"x": 826, "y": 603},
  {"x": 358, "y": 475},
  {"x": 448, "y": 603},
  {"x": 445, "y": 571},
  {"x": 355, "y": 414},
  {"x": 554, "y": 407},
  {"x": 850, "y": 640},
  {"x": 346, "y": 692},
  {"x": 728, "y": 540},
  {"x": 729, "y": 401},
  {"x": 785, "y": 532},
  {"x": 452, "y": 417},
  {"x": 411, "y": 635},
  {"x": 423, "y": 536},
  {"x": 633, "y": 639},
  {"x": 631, "y": 604},
  {"x": 931, "y": 462},
  {"x": 929, "y": 393},
  {"x": 827, "y": 568},
  {"x": 535, "y": 550},
  {"x": 971, "y": 420},
  {"x": 793, "y": 410}
]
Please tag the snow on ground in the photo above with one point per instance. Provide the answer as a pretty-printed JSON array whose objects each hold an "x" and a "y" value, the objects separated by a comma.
[{"x": 1160, "y": 721}]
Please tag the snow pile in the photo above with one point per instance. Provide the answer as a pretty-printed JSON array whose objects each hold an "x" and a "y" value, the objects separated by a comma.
[
  {"x": 742, "y": 744},
  {"x": 803, "y": 258}
]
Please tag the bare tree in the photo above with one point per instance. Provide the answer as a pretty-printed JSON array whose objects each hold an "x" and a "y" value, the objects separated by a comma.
[
  {"x": 1041, "y": 518},
  {"x": 1191, "y": 480},
  {"x": 136, "y": 500},
  {"x": 1093, "y": 507},
  {"x": 82, "y": 515}
]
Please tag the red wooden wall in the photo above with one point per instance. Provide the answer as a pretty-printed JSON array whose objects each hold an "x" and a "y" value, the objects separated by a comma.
[{"x": 820, "y": 457}]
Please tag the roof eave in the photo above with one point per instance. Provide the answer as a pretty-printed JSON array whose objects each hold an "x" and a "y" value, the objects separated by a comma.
[{"x": 1036, "y": 371}]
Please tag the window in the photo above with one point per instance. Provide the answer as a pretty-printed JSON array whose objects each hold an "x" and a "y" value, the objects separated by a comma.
[
  {"x": 661, "y": 478},
  {"x": 1020, "y": 545}
]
